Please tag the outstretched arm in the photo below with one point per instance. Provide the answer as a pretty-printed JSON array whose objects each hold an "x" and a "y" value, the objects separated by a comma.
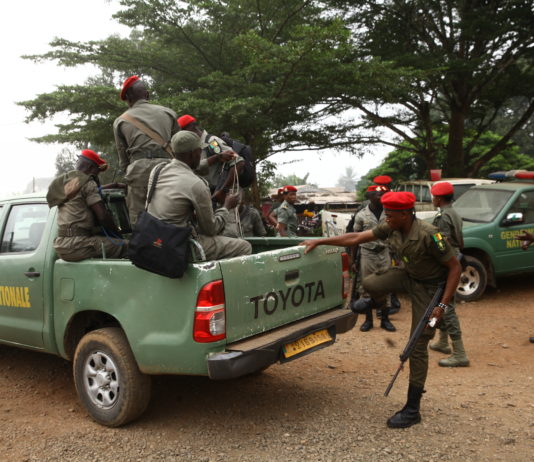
[{"x": 345, "y": 240}]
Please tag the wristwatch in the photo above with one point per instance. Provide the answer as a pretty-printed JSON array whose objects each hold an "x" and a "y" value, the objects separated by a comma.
[{"x": 446, "y": 308}]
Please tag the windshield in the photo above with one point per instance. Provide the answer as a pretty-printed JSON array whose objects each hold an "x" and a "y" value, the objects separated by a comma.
[{"x": 481, "y": 205}]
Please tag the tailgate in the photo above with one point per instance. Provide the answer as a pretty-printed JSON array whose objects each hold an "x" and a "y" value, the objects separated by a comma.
[{"x": 274, "y": 288}]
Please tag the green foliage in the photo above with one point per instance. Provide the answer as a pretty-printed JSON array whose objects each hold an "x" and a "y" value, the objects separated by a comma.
[
  {"x": 402, "y": 164},
  {"x": 348, "y": 180},
  {"x": 292, "y": 179},
  {"x": 428, "y": 64}
]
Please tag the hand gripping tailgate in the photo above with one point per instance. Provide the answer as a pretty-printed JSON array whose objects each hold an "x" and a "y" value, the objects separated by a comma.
[{"x": 274, "y": 288}]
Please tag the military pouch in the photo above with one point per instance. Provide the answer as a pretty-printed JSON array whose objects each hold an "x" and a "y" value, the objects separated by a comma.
[
  {"x": 156, "y": 246},
  {"x": 159, "y": 247}
]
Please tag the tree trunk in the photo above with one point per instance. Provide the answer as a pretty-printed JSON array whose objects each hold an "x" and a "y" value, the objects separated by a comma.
[{"x": 455, "y": 148}]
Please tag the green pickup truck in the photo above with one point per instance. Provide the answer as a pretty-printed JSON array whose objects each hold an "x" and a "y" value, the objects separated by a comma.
[
  {"x": 120, "y": 324},
  {"x": 493, "y": 215}
]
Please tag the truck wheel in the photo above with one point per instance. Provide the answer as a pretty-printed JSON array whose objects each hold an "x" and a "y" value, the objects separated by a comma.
[
  {"x": 473, "y": 280},
  {"x": 107, "y": 379}
]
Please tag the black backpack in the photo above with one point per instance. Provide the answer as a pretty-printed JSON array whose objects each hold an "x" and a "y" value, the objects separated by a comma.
[{"x": 248, "y": 175}]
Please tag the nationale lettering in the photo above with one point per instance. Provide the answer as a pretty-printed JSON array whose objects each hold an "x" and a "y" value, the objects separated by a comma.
[
  {"x": 15, "y": 296},
  {"x": 291, "y": 297}
]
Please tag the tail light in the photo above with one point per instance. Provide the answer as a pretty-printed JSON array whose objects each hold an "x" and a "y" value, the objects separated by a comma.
[
  {"x": 345, "y": 283},
  {"x": 210, "y": 316}
]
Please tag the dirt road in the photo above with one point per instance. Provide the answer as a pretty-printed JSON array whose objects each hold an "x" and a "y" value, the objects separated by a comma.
[{"x": 328, "y": 406}]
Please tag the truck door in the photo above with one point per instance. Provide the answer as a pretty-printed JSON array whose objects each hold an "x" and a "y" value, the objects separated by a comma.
[
  {"x": 508, "y": 253},
  {"x": 22, "y": 259}
]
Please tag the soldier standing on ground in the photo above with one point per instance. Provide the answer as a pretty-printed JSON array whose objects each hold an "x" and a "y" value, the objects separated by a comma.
[
  {"x": 449, "y": 224},
  {"x": 374, "y": 256},
  {"x": 428, "y": 260},
  {"x": 81, "y": 213},
  {"x": 527, "y": 238},
  {"x": 286, "y": 213},
  {"x": 138, "y": 152}
]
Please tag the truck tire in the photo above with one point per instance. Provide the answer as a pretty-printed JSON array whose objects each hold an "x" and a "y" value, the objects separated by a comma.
[
  {"x": 473, "y": 280},
  {"x": 108, "y": 381}
]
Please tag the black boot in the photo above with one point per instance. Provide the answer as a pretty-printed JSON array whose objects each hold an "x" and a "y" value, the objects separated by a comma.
[
  {"x": 385, "y": 323},
  {"x": 409, "y": 415},
  {"x": 362, "y": 305},
  {"x": 531, "y": 339},
  {"x": 368, "y": 323},
  {"x": 395, "y": 304}
]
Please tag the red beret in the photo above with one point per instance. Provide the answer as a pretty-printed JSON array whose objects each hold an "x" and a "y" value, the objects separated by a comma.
[
  {"x": 95, "y": 158},
  {"x": 442, "y": 189},
  {"x": 382, "y": 179},
  {"x": 378, "y": 188},
  {"x": 280, "y": 190},
  {"x": 185, "y": 120},
  {"x": 398, "y": 200},
  {"x": 127, "y": 84},
  {"x": 289, "y": 188}
]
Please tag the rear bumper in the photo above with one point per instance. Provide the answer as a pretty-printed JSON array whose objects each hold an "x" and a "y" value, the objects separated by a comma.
[{"x": 254, "y": 354}]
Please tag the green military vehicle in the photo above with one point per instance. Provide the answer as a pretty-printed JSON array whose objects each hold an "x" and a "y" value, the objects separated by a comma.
[
  {"x": 120, "y": 324},
  {"x": 493, "y": 215}
]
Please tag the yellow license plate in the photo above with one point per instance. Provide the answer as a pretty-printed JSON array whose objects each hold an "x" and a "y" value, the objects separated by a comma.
[{"x": 305, "y": 343}]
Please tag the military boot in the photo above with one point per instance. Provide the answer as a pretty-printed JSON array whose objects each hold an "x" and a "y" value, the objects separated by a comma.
[
  {"x": 362, "y": 305},
  {"x": 409, "y": 415},
  {"x": 531, "y": 339},
  {"x": 368, "y": 323},
  {"x": 442, "y": 345},
  {"x": 385, "y": 323},
  {"x": 458, "y": 358}
]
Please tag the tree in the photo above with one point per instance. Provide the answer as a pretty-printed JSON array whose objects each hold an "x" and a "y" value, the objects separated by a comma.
[
  {"x": 292, "y": 179},
  {"x": 401, "y": 164},
  {"x": 429, "y": 64},
  {"x": 257, "y": 69},
  {"x": 348, "y": 180}
]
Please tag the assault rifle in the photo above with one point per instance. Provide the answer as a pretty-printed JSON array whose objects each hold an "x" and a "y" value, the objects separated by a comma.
[{"x": 421, "y": 325}]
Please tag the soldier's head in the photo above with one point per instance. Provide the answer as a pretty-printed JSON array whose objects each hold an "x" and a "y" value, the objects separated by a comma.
[
  {"x": 186, "y": 147},
  {"x": 190, "y": 124},
  {"x": 290, "y": 194},
  {"x": 442, "y": 193},
  {"x": 374, "y": 193},
  {"x": 383, "y": 180},
  {"x": 399, "y": 209},
  {"x": 133, "y": 89},
  {"x": 91, "y": 163}
]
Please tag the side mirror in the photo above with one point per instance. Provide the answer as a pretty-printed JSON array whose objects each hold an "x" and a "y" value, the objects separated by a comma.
[{"x": 514, "y": 218}]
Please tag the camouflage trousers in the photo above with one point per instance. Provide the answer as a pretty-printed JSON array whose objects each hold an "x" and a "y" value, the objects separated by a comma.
[
  {"x": 219, "y": 247},
  {"x": 421, "y": 293},
  {"x": 137, "y": 175},
  {"x": 80, "y": 248}
]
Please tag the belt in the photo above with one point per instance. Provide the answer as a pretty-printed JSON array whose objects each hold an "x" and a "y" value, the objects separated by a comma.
[
  {"x": 73, "y": 231},
  {"x": 375, "y": 249},
  {"x": 148, "y": 155}
]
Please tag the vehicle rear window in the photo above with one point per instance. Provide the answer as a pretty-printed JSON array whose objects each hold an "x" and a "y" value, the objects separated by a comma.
[
  {"x": 481, "y": 205},
  {"x": 24, "y": 228}
]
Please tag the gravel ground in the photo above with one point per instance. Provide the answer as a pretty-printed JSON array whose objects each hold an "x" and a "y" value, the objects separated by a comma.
[{"x": 328, "y": 406}]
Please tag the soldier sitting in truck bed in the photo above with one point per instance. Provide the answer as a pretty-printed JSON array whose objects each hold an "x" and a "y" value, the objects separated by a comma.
[
  {"x": 81, "y": 212},
  {"x": 181, "y": 198}
]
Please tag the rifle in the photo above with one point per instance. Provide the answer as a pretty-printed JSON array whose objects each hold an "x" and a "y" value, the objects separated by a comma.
[
  {"x": 356, "y": 259},
  {"x": 425, "y": 319}
]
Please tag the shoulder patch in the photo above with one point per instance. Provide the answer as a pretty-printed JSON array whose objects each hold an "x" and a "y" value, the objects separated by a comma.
[
  {"x": 215, "y": 147},
  {"x": 438, "y": 239}
]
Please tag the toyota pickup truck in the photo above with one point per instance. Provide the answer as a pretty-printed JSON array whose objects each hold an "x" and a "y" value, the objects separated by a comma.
[
  {"x": 119, "y": 324},
  {"x": 493, "y": 215}
]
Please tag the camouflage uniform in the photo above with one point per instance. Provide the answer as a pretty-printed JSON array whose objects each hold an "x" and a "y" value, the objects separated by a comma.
[
  {"x": 183, "y": 198},
  {"x": 251, "y": 223},
  {"x": 287, "y": 215},
  {"x": 449, "y": 224},
  {"x": 422, "y": 253},
  {"x": 211, "y": 145},
  {"x": 77, "y": 239},
  {"x": 138, "y": 153}
]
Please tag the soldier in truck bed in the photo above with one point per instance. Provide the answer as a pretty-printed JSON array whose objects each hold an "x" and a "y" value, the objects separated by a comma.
[
  {"x": 138, "y": 152},
  {"x": 81, "y": 211}
]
